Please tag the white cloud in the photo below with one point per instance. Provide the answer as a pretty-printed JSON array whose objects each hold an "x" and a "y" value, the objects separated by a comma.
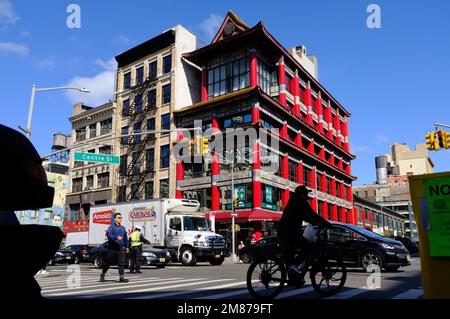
[
  {"x": 123, "y": 39},
  {"x": 13, "y": 48},
  {"x": 381, "y": 138},
  {"x": 25, "y": 34},
  {"x": 211, "y": 24},
  {"x": 7, "y": 14},
  {"x": 101, "y": 85},
  {"x": 44, "y": 64}
]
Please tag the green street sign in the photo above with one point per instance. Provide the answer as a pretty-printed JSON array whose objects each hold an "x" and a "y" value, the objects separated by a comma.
[
  {"x": 437, "y": 194},
  {"x": 97, "y": 158}
]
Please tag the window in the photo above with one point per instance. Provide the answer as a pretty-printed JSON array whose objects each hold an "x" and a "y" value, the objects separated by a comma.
[
  {"x": 151, "y": 127},
  {"x": 127, "y": 80},
  {"x": 106, "y": 126},
  {"x": 165, "y": 121},
  {"x": 92, "y": 130},
  {"x": 121, "y": 193},
  {"x": 164, "y": 188},
  {"x": 237, "y": 120},
  {"x": 149, "y": 190},
  {"x": 123, "y": 165},
  {"x": 77, "y": 184},
  {"x": 150, "y": 159},
  {"x": 175, "y": 224},
  {"x": 338, "y": 190},
  {"x": 103, "y": 180},
  {"x": 264, "y": 77},
  {"x": 124, "y": 139},
  {"x": 152, "y": 98},
  {"x": 307, "y": 176},
  {"x": 152, "y": 71},
  {"x": 228, "y": 77},
  {"x": 137, "y": 129},
  {"x": 167, "y": 63},
  {"x": 105, "y": 149},
  {"x": 136, "y": 162},
  {"x": 126, "y": 108},
  {"x": 90, "y": 182},
  {"x": 139, "y": 75},
  {"x": 135, "y": 191},
  {"x": 138, "y": 103},
  {"x": 77, "y": 164},
  {"x": 166, "y": 93},
  {"x": 329, "y": 181},
  {"x": 164, "y": 161},
  {"x": 319, "y": 182},
  {"x": 292, "y": 171},
  {"x": 80, "y": 134}
]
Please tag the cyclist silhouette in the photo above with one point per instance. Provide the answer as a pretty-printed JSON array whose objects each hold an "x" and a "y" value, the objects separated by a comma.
[{"x": 290, "y": 230}]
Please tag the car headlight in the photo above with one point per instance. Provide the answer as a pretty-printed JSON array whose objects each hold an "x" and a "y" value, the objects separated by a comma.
[{"x": 387, "y": 246}]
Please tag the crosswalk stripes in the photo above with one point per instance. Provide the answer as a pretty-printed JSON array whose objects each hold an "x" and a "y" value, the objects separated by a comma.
[
  {"x": 171, "y": 286},
  {"x": 410, "y": 294},
  {"x": 122, "y": 286},
  {"x": 102, "y": 285},
  {"x": 295, "y": 292}
]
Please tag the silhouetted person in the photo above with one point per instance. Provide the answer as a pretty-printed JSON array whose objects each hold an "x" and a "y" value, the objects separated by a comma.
[
  {"x": 290, "y": 229},
  {"x": 23, "y": 186}
]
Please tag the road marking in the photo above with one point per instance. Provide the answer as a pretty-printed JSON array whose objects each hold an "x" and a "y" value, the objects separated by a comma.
[
  {"x": 102, "y": 284},
  {"x": 231, "y": 293},
  {"x": 349, "y": 293},
  {"x": 157, "y": 288},
  {"x": 295, "y": 292},
  {"x": 175, "y": 293},
  {"x": 410, "y": 294},
  {"x": 121, "y": 286}
]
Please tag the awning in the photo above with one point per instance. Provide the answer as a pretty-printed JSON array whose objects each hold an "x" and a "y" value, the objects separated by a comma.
[{"x": 247, "y": 215}]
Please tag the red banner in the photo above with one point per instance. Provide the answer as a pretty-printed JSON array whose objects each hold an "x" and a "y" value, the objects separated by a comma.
[{"x": 104, "y": 217}]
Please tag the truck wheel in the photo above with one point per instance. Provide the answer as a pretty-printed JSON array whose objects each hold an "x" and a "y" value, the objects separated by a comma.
[
  {"x": 187, "y": 257},
  {"x": 216, "y": 261}
]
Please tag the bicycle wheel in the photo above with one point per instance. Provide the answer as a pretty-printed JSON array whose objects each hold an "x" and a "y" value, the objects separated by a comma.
[
  {"x": 328, "y": 276},
  {"x": 265, "y": 279}
]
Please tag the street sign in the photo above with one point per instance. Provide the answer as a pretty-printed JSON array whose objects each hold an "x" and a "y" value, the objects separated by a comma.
[
  {"x": 234, "y": 214},
  {"x": 97, "y": 158}
]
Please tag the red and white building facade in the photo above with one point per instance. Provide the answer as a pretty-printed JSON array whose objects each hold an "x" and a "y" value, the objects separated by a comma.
[{"x": 249, "y": 79}]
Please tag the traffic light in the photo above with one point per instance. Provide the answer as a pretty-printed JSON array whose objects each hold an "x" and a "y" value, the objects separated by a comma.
[
  {"x": 431, "y": 141},
  {"x": 205, "y": 148},
  {"x": 441, "y": 138},
  {"x": 191, "y": 146},
  {"x": 446, "y": 139},
  {"x": 236, "y": 202}
]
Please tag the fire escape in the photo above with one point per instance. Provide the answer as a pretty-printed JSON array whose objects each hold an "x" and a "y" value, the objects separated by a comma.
[{"x": 137, "y": 144}]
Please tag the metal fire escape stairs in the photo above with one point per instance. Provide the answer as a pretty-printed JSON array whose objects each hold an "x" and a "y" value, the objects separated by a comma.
[{"x": 133, "y": 174}]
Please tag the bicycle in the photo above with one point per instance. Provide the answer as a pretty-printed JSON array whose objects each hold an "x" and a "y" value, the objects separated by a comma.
[{"x": 327, "y": 273}]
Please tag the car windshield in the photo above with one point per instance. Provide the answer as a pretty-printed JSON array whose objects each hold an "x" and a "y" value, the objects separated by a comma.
[
  {"x": 365, "y": 232},
  {"x": 195, "y": 223},
  {"x": 62, "y": 247}
]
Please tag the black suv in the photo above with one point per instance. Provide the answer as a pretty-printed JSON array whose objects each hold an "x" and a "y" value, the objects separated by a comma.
[{"x": 359, "y": 247}]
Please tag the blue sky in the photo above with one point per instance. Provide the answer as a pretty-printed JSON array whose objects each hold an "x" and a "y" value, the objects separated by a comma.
[{"x": 393, "y": 80}]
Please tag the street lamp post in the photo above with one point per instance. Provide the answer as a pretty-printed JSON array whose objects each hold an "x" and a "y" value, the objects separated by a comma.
[{"x": 27, "y": 130}]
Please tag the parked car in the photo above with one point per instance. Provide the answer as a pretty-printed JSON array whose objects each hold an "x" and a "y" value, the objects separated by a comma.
[
  {"x": 150, "y": 256},
  {"x": 258, "y": 249},
  {"x": 359, "y": 247},
  {"x": 82, "y": 252},
  {"x": 63, "y": 255}
]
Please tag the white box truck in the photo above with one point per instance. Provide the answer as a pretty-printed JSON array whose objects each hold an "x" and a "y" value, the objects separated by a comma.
[{"x": 172, "y": 224}]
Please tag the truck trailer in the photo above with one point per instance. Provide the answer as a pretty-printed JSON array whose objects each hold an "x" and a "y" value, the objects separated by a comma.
[{"x": 172, "y": 224}]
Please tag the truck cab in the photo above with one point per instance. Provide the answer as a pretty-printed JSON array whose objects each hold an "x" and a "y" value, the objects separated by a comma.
[{"x": 189, "y": 236}]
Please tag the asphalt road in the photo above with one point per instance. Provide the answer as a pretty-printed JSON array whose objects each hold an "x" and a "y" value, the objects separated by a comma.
[{"x": 213, "y": 282}]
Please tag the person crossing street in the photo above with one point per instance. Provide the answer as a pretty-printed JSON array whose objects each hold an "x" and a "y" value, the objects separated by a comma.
[{"x": 137, "y": 239}]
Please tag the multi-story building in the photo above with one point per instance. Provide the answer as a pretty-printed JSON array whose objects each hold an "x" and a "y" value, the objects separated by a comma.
[
  {"x": 248, "y": 79},
  {"x": 91, "y": 183},
  {"x": 391, "y": 189},
  {"x": 152, "y": 82}
]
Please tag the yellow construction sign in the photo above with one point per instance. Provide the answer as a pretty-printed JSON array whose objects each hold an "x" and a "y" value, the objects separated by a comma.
[{"x": 430, "y": 195}]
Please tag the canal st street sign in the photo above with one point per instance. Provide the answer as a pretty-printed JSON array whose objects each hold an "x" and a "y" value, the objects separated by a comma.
[{"x": 97, "y": 158}]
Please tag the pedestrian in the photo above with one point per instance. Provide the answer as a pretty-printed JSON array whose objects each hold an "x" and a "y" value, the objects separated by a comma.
[
  {"x": 117, "y": 247},
  {"x": 137, "y": 238},
  {"x": 241, "y": 245}
]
